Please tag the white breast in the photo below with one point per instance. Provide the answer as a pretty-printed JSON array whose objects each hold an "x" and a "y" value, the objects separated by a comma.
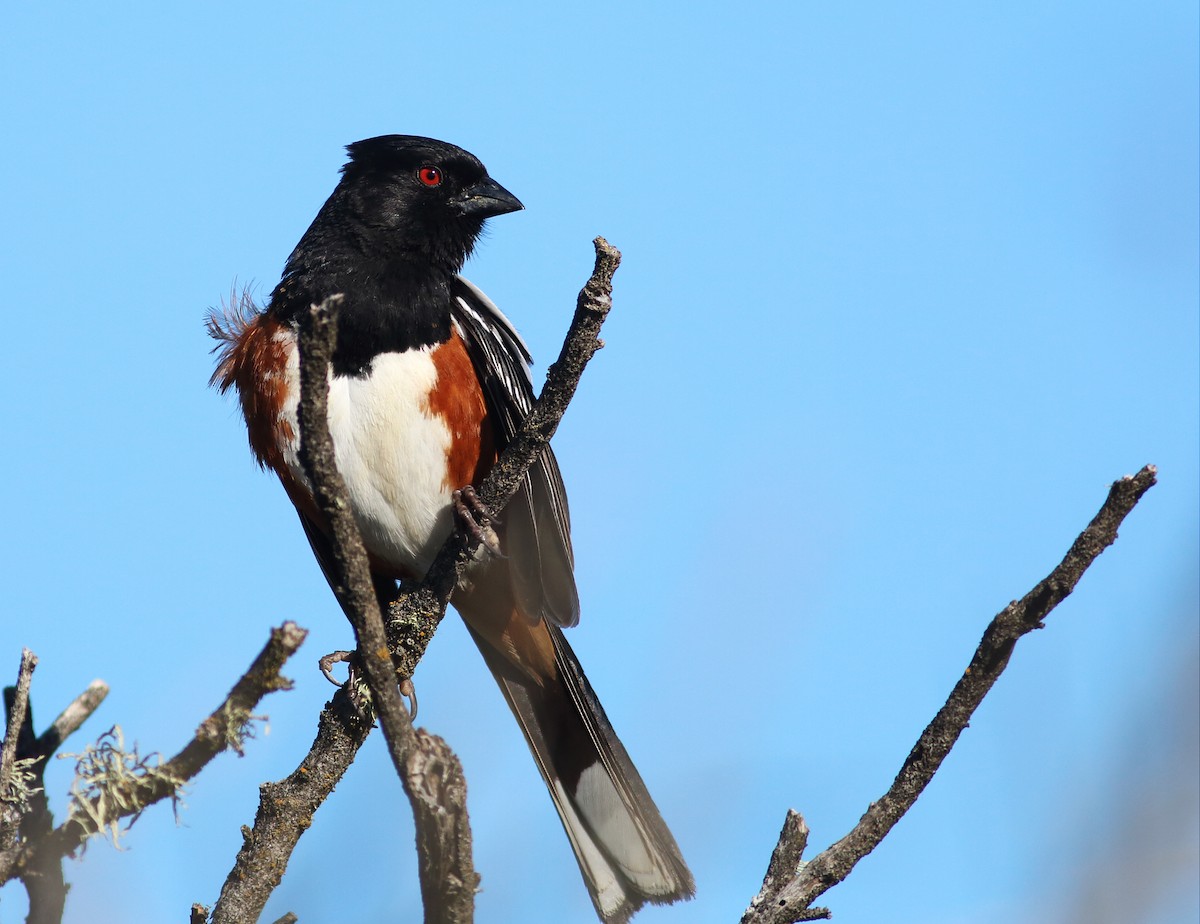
[{"x": 391, "y": 451}]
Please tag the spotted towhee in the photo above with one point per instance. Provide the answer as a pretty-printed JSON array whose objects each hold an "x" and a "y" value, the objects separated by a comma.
[{"x": 429, "y": 382}]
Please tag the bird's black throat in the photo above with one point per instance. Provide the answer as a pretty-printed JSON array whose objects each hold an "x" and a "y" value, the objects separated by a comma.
[{"x": 386, "y": 308}]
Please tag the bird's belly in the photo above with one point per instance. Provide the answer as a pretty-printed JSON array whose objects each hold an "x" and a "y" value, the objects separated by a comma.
[{"x": 391, "y": 449}]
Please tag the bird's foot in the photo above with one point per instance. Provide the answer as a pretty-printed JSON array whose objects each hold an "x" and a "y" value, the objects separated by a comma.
[{"x": 474, "y": 519}]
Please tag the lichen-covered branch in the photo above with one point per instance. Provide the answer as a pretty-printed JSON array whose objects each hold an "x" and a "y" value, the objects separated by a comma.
[
  {"x": 788, "y": 901},
  {"x": 11, "y": 785},
  {"x": 285, "y": 811},
  {"x": 104, "y": 802},
  {"x": 27, "y": 810},
  {"x": 24, "y": 809}
]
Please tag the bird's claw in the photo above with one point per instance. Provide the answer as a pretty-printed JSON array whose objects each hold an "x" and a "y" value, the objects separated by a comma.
[
  {"x": 408, "y": 691},
  {"x": 357, "y": 692},
  {"x": 326, "y": 664}
]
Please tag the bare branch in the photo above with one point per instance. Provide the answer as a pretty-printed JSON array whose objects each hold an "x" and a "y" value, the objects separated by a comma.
[
  {"x": 790, "y": 902},
  {"x": 72, "y": 718},
  {"x": 438, "y": 790},
  {"x": 418, "y": 610},
  {"x": 785, "y": 861}
]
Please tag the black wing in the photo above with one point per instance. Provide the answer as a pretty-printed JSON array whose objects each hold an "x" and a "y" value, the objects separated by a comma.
[{"x": 537, "y": 524}]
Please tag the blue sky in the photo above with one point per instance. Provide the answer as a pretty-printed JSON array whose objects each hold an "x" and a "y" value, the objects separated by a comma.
[{"x": 905, "y": 288}]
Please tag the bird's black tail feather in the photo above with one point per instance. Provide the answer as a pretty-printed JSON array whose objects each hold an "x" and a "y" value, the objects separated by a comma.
[{"x": 624, "y": 848}]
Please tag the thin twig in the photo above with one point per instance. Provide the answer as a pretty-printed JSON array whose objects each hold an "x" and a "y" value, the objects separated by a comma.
[
  {"x": 790, "y": 901},
  {"x": 418, "y": 610},
  {"x": 72, "y": 718}
]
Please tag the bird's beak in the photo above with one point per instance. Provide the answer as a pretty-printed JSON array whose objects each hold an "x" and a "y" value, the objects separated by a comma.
[{"x": 485, "y": 199}]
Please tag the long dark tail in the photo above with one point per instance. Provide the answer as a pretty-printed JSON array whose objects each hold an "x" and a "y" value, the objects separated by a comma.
[{"x": 624, "y": 849}]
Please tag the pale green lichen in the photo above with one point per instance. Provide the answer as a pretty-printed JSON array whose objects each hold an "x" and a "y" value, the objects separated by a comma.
[
  {"x": 21, "y": 784},
  {"x": 112, "y": 783}
]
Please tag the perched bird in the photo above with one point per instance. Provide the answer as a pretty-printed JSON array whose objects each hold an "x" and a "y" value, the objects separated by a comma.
[{"x": 429, "y": 382}]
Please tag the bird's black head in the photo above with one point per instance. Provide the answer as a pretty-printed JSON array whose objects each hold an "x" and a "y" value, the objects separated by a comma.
[
  {"x": 399, "y": 225},
  {"x": 407, "y": 198}
]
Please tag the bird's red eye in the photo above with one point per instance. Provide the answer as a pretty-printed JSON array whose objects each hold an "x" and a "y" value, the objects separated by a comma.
[{"x": 430, "y": 175}]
